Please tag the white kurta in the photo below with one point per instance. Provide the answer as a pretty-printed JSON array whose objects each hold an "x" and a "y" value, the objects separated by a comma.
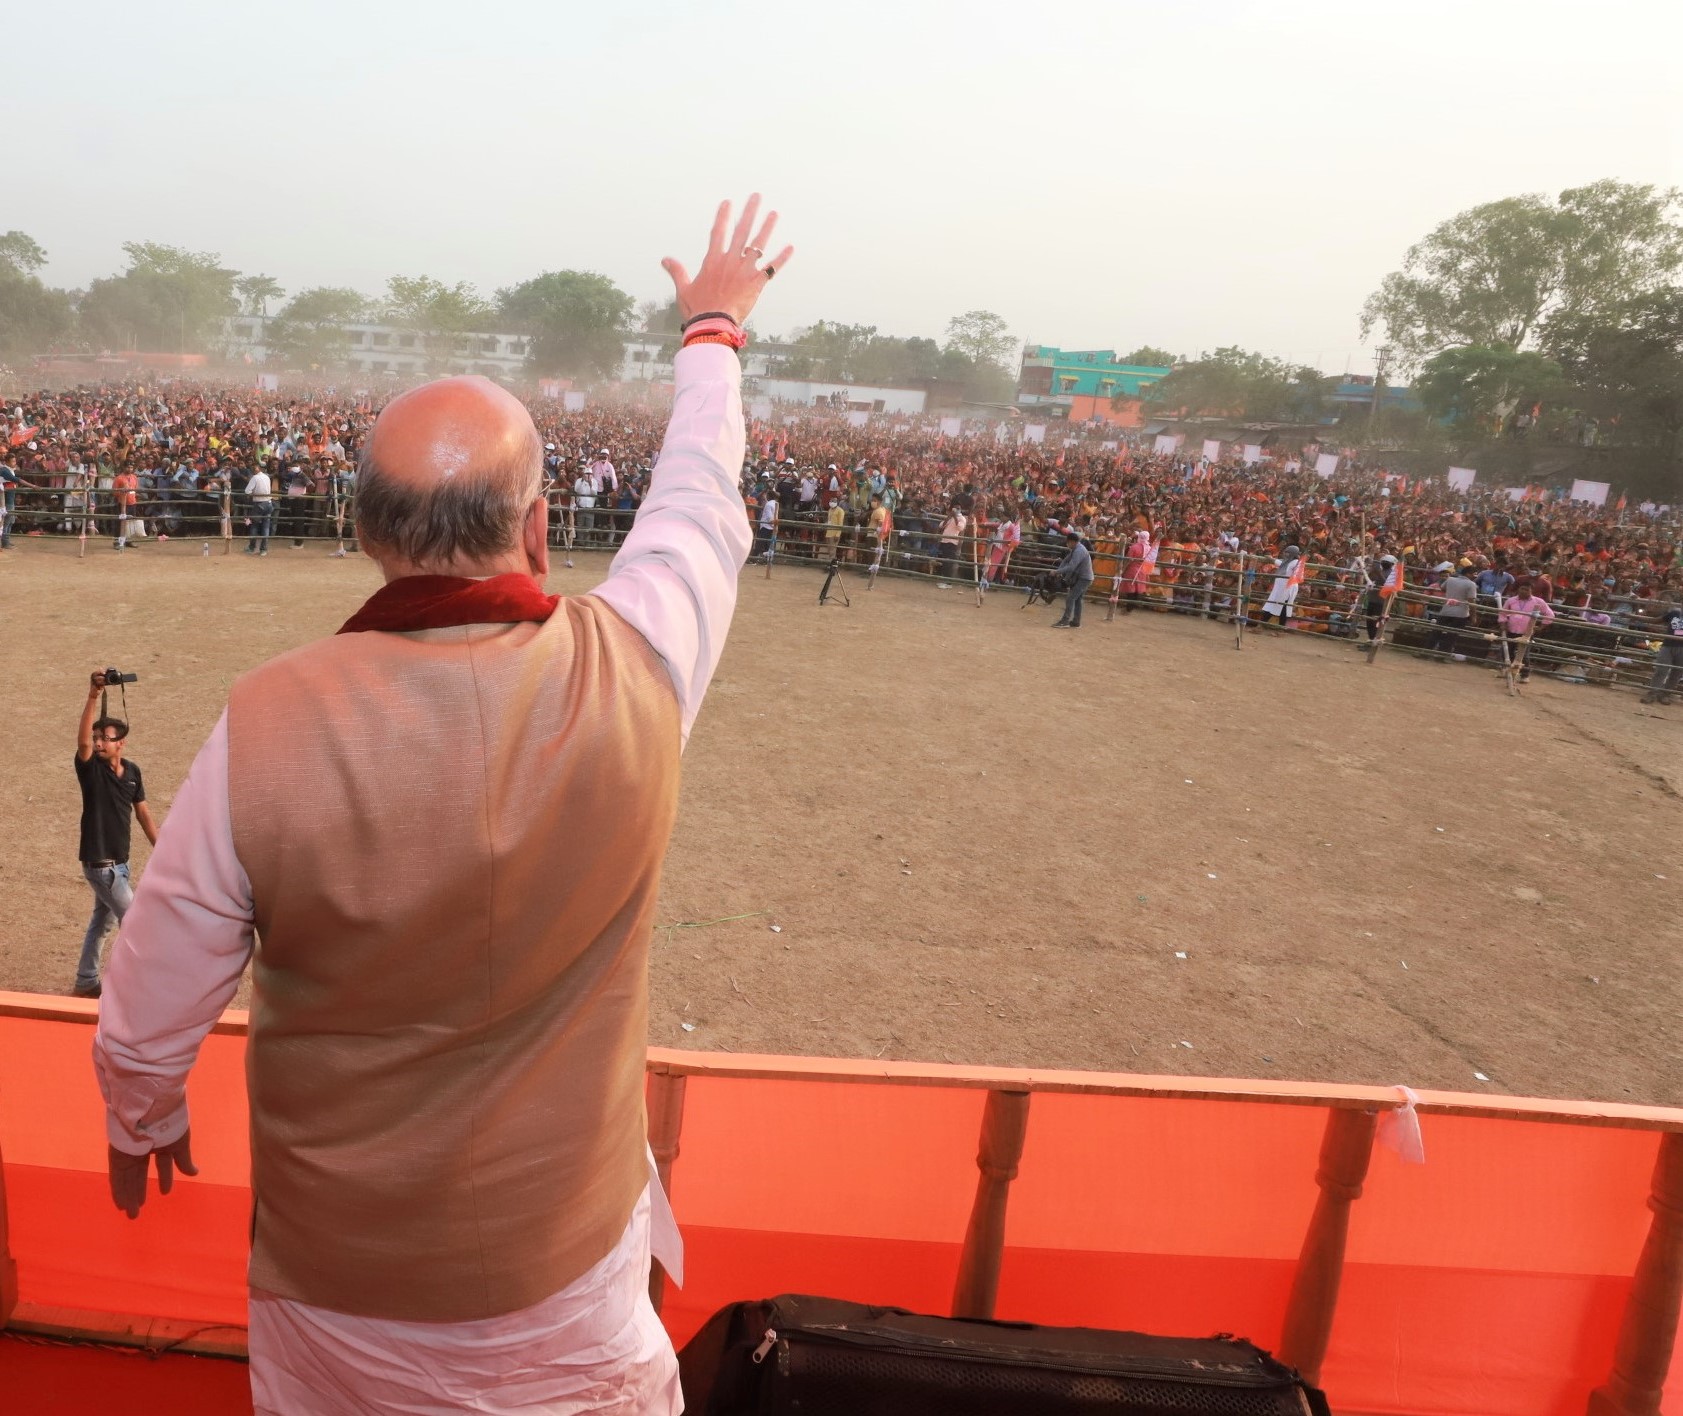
[
  {"x": 597, "y": 1345},
  {"x": 1284, "y": 592}
]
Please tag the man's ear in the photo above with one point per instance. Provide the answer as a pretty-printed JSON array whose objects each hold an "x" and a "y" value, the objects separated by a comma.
[{"x": 534, "y": 538}]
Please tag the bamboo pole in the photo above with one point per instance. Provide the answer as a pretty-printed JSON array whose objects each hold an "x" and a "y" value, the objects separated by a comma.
[
  {"x": 666, "y": 1122},
  {"x": 1648, "y": 1330},
  {"x": 1004, "y": 1124},
  {"x": 8, "y": 1265},
  {"x": 1346, "y": 1148},
  {"x": 1241, "y": 603}
]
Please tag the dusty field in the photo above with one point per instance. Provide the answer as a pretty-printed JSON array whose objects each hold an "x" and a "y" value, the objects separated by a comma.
[{"x": 984, "y": 842}]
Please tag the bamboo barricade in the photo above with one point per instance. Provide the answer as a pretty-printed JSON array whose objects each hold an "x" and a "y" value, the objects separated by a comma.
[{"x": 1242, "y": 601}]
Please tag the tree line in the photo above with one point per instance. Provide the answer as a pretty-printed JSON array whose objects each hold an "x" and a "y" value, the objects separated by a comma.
[{"x": 575, "y": 322}]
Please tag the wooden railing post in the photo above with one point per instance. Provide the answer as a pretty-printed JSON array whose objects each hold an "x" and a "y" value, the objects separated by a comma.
[
  {"x": 8, "y": 1265},
  {"x": 1004, "y": 1124},
  {"x": 1346, "y": 1148},
  {"x": 1648, "y": 1331},
  {"x": 666, "y": 1122}
]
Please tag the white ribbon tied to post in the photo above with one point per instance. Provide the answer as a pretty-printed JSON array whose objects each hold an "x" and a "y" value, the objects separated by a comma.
[{"x": 1399, "y": 1128}]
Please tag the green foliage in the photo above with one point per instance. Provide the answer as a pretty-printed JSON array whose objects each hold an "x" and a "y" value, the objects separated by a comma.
[
  {"x": 310, "y": 331},
  {"x": 20, "y": 254},
  {"x": 256, "y": 291},
  {"x": 1150, "y": 356},
  {"x": 1485, "y": 386},
  {"x": 168, "y": 299},
  {"x": 577, "y": 321},
  {"x": 1236, "y": 383},
  {"x": 440, "y": 314},
  {"x": 33, "y": 317},
  {"x": 1496, "y": 274},
  {"x": 1626, "y": 365},
  {"x": 982, "y": 337}
]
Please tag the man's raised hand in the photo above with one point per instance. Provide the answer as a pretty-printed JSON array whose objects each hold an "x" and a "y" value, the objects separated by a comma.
[{"x": 734, "y": 272}]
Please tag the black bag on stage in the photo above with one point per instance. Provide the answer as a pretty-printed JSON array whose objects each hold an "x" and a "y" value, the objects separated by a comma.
[{"x": 826, "y": 1357}]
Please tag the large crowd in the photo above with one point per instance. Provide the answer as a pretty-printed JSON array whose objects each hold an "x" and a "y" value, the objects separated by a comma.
[{"x": 1164, "y": 530}]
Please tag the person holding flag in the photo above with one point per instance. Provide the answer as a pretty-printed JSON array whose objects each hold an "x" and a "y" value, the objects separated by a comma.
[{"x": 1287, "y": 581}]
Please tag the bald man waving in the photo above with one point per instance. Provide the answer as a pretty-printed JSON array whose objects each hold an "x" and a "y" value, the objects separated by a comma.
[{"x": 450, "y": 880}]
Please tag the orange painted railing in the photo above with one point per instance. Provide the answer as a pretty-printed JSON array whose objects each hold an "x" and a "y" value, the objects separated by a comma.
[{"x": 1532, "y": 1265}]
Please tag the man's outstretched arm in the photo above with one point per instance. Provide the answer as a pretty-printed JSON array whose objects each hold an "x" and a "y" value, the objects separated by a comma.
[
  {"x": 175, "y": 966},
  {"x": 674, "y": 579}
]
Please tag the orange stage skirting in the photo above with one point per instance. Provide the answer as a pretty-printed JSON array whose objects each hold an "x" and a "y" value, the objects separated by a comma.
[{"x": 1491, "y": 1279}]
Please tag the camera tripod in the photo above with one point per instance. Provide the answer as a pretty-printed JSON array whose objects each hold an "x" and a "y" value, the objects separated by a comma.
[{"x": 833, "y": 583}]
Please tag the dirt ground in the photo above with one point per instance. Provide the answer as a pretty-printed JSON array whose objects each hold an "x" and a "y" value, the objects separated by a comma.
[{"x": 984, "y": 842}]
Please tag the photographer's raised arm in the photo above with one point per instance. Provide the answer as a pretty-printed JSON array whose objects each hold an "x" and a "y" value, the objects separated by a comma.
[{"x": 84, "y": 730}]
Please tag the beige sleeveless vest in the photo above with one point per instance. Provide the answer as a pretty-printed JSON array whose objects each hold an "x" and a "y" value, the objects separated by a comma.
[{"x": 454, "y": 840}]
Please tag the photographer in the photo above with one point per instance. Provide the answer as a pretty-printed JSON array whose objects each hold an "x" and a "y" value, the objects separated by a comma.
[
  {"x": 111, "y": 788},
  {"x": 1076, "y": 572}
]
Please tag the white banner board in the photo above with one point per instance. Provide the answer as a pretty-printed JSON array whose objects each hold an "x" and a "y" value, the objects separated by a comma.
[
  {"x": 1253, "y": 453},
  {"x": 549, "y": 388},
  {"x": 1034, "y": 432},
  {"x": 1326, "y": 464},
  {"x": 951, "y": 427},
  {"x": 857, "y": 417},
  {"x": 1595, "y": 493},
  {"x": 1461, "y": 478},
  {"x": 1109, "y": 446},
  {"x": 1212, "y": 449},
  {"x": 1167, "y": 444},
  {"x": 269, "y": 383},
  {"x": 760, "y": 409},
  {"x": 573, "y": 401},
  {"x": 1516, "y": 494}
]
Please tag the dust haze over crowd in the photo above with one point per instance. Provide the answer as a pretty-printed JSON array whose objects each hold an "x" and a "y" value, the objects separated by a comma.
[{"x": 1188, "y": 176}]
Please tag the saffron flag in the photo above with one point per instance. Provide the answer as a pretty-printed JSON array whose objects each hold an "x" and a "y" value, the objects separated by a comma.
[
  {"x": 1296, "y": 577},
  {"x": 1150, "y": 562},
  {"x": 1393, "y": 581}
]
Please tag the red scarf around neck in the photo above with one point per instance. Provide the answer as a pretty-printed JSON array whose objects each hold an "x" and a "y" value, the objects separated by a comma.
[{"x": 444, "y": 601}]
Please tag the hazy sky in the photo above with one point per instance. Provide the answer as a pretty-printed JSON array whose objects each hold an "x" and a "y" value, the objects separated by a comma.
[{"x": 1186, "y": 173}]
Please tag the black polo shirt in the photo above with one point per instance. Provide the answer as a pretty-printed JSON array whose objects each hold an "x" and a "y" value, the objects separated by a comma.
[{"x": 108, "y": 803}]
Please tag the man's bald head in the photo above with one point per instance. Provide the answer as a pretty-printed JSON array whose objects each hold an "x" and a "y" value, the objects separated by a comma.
[{"x": 448, "y": 474}]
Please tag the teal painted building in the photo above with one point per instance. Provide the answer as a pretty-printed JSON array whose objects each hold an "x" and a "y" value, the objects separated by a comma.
[{"x": 1079, "y": 384}]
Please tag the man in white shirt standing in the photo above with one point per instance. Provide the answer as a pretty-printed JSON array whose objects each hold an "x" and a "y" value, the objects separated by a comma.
[
  {"x": 455, "y": 1204},
  {"x": 584, "y": 507},
  {"x": 260, "y": 494},
  {"x": 603, "y": 479}
]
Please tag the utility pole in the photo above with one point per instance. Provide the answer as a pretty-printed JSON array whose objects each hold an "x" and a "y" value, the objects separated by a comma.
[{"x": 1381, "y": 361}]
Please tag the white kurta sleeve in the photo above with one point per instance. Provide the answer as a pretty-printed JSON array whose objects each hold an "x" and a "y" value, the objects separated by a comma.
[
  {"x": 674, "y": 579},
  {"x": 177, "y": 960}
]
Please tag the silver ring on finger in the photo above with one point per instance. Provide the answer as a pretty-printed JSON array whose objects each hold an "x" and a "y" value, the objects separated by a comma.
[{"x": 754, "y": 253}]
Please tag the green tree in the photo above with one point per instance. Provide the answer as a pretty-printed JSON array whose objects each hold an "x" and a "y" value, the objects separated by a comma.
[
  {"x": 827, "y": 350},
  {"x": 1237, "y": 383},
  {"x": 168, "y": 299},
  {"x": 1484, "y": 387},
  {"x": 1150, "y": 356},
  {"x": 310, "y": 331},
  {"x": 20, "y": 254},
  {"x": 983, "y": 337},
  {"x": 577, "y": 321},
  {"x": 1497, "y": 273},
  {"x": 1626, "y": 367},
  {"x": 440, "y": 314},
  {"x": 32, "y": 315},
  {"x": 256, "y": 291}
]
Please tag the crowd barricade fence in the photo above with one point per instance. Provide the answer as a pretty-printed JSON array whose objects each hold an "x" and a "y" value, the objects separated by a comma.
[
  {"x": 1530, "y": 1265},
  {"x": 1215, "y": 585}
]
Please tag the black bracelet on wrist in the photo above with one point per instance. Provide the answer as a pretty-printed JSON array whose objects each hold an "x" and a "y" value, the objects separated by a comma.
[{"x": 708, "y": 315}]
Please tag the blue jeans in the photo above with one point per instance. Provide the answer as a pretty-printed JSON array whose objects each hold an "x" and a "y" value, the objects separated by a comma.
[
  {"x": 112, "y": 898},
  {"x": 262, "y": 526}
]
